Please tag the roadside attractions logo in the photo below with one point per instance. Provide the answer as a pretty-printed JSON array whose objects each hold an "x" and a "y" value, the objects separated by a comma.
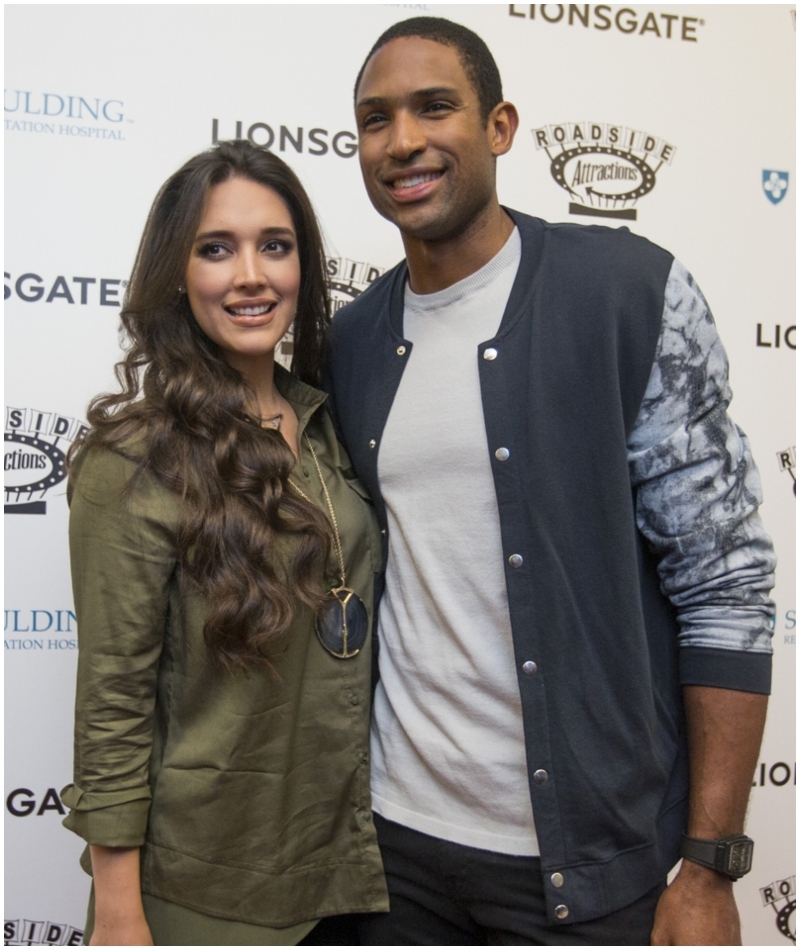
[
  {"x": 605, "y": 169},
  {"x": 787, "y": 460},
  {"x": 35, "y": 458},
  {"x": 51, "y": 113},
  {"x": 40, "y": 933},
  {"x": 668, "y": 26},
  {"x": 780, "y": 896},
  {"x": 346, "y": 280},
  {"x": 282, "y": 138}
]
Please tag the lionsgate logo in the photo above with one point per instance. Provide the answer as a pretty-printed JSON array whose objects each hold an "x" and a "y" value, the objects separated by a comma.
[
  {"x": 84, "y": 291},
  {"x": 40, "y": 933},
  {"x": 668, "y": 26},
  {"x": 281, "y": 138},
  {"x": 35, "y": 461},
  {"x": 780, "y": 896},
  {"x": 51, "y": 113},
  {"x": 605, "y": 169}
]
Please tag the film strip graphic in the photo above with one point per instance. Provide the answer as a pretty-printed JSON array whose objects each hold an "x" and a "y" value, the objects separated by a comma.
[
  {"x": 34, "y": 461},
  {"x": 780, "y": 895},
  {"x": 40, "y": 933},
  {"x": 605, "y": 168}
]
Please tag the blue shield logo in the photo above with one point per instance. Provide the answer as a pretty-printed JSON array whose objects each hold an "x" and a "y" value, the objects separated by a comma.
[{"x": 776, "y": 184}]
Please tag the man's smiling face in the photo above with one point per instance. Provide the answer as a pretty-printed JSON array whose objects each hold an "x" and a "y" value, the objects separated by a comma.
[{"x": 425, "y": 152}]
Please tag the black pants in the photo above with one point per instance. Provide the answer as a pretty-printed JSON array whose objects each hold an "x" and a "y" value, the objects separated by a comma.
[{"x": 445, "y": 894}]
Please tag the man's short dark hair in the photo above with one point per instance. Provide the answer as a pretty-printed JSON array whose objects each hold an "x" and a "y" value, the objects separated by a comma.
[{"x": 478, "y": 62}]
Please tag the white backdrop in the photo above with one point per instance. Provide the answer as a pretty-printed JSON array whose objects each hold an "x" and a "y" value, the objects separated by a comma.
[{"x": 103, "y": 102}]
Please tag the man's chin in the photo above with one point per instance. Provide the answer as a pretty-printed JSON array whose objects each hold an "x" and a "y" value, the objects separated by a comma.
[{"x": 418, "y": 224}]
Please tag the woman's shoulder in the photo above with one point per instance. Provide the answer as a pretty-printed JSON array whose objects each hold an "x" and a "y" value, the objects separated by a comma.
[{"x": 108, "y": 474}]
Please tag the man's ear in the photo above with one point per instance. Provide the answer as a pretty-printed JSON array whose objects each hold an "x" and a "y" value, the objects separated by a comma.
[{"x": 502, "y": 127}]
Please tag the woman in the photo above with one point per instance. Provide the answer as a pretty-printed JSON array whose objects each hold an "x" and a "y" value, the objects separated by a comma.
[{"x": 223, "y": 557}]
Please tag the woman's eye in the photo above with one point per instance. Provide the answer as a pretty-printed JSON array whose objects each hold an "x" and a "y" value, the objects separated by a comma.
[
  {"x": 212, "y": 249},
  {"x": 276, "y": 246}
]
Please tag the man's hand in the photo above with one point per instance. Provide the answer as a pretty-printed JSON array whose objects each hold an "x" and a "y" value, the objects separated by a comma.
[
  {"x": 724, "y": 731},
  {"x": 697, "y": 909}
]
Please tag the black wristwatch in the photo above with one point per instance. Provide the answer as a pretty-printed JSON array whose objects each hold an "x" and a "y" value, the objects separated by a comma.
[{"x": 731, "y": 856}]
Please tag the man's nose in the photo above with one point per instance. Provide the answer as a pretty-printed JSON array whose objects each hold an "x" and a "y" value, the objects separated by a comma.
[{"x": 407, "y": 136}]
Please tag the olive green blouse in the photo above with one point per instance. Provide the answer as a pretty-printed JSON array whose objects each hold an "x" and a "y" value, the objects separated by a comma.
[{"x": 249, "y": 793}]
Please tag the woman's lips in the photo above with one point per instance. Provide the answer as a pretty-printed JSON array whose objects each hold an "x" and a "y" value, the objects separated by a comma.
[{"x": 251, "y": 314}]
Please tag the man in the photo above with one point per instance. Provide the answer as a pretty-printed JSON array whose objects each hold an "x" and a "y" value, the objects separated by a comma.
[{"x": 574, "y": 635}]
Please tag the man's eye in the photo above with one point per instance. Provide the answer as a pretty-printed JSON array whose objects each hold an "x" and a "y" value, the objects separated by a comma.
[
  {"x": 437, "y": 106},
  {"x": 373, "y": 119}
]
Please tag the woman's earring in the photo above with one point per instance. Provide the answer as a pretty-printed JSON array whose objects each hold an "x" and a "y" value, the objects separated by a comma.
[{"x": 181, "y": 289}]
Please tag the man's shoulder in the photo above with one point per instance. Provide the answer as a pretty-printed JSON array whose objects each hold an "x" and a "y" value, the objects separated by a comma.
[{"x": 592, "y": 239}]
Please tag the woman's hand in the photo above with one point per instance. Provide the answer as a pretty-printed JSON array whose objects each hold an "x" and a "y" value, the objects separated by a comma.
[
  {"x": 119, "y": 933},
  {"x": 119, "y": 919}
]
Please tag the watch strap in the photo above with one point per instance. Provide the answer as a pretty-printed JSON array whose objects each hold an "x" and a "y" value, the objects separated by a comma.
[{"x": 730, "y": 856}]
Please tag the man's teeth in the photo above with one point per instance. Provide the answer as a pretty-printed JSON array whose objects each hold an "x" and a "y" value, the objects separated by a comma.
[
  {"x": 416, "y": 180},
  {"x": 251, "y": 311}
]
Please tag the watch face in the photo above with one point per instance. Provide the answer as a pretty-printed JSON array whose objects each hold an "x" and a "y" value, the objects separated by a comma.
[{"x": 740, "y": 854}]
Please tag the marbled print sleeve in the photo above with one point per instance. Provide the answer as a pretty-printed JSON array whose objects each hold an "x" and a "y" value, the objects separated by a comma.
[{"x": 697, "y": 488}]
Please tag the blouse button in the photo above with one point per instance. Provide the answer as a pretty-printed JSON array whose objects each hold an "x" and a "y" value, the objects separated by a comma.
[
  {"x": 372, "y": 443},
  {"x": 502, "y": 454},
  {"x": 490, "y": 353},
  {"x": 401, "y": 351},
  {"x": 516, "y": 560}
]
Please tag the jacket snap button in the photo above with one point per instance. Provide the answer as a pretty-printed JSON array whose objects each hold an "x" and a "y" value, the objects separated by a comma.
[
  {"x": 557, "y": 879},
  {"x": 529, "y": 667},
  {"x": 515, "y": 560},
  {"x": 540, "y": 777},
  {"x": 562, "y": 911},
  {"x": 401, "y": 351},
  {"x": 490, "y": 353},
  {"x": 372, "y": 443},
  {"x": 502, "y": 455}
]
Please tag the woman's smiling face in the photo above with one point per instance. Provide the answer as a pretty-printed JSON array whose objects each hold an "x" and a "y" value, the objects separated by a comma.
[{"x": 243, "y": 275}]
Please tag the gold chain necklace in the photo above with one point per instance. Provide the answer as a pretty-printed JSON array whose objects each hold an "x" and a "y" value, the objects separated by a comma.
[
  {"x": 341, "y": 624},
  {"x": 337, "y": 541}
]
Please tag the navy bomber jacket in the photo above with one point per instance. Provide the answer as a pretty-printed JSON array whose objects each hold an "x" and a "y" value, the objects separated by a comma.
[{"x": 629, "y": 501}]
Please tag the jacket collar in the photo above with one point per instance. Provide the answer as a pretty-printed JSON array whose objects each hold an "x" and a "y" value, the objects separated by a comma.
[{"x": 531, "y": 232}]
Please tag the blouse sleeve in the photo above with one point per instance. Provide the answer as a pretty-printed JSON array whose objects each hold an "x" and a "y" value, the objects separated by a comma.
[{"x": 122, "y": 550}]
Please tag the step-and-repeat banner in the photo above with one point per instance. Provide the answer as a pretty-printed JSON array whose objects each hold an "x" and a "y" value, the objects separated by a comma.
[{"x": 689, "y": 111}]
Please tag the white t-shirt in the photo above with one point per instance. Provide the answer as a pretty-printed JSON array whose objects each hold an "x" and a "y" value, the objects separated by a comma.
[{"x": 448, "y": 755}]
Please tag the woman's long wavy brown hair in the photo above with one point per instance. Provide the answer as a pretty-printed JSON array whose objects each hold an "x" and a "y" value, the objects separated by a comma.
[{"x": 254, "y": 547}]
